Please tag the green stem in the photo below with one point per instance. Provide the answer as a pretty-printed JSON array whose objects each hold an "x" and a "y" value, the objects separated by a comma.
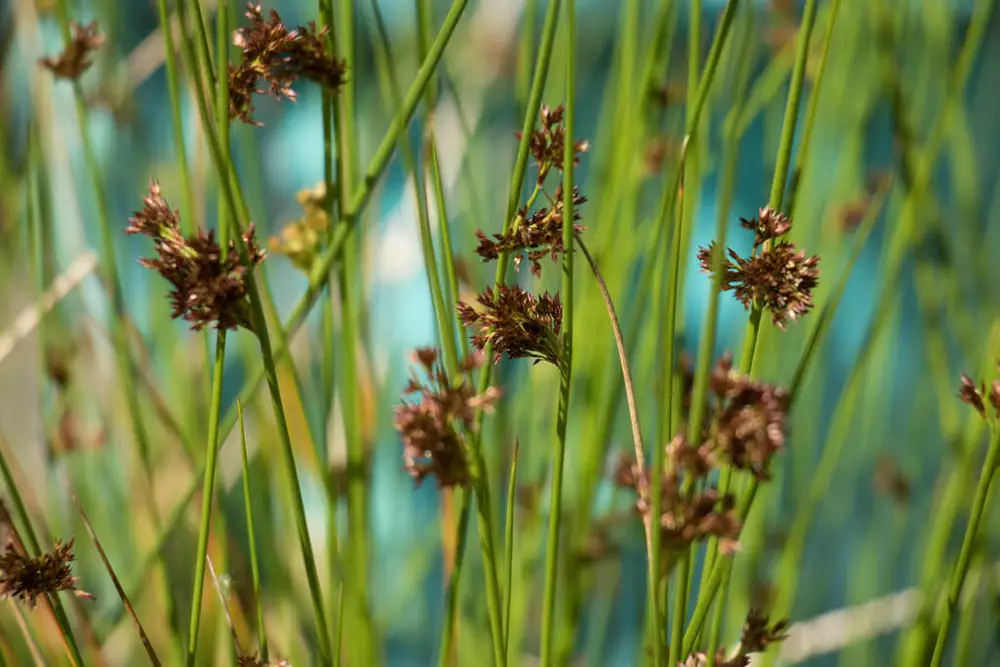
[
  {"x": 968, "y": 545},
  {"x": 208, "y": 486},
  {"x": 566, "y": 358},
  {"x": 363, "y": 650},
  {"x": 252, "y": 540}
]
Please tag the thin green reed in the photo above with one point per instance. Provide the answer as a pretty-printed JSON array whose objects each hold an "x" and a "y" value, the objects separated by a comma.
[
  {"x": 566, "y": 357},
  {"x": 783, "y": 160},
  {"x": 318, "y": 276},
  {"x": 482, "y": 492},
  {"x": 442, "y": 312},
  {"x": 747, "y": 357},
  {"x": 215, "y": 401},
  {"x": 331, "y": 193},
  {"x": 364, "y": 649},
  {"x": 252, "y": 540},
  {"x": 225, "y": 171},
  {"x": 745, "y": 57},
  {"x": 177, "y": 123},
  {"x": 656, "y": 508},
  {"x": 961, "y": 569}
]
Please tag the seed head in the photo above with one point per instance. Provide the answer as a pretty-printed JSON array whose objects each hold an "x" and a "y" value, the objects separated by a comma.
[
  {"x": 26, "y": 579},
  {"x": 433, "y": 428},
  {"x": 547, "y": 144},
  {"x": 209, "y": 286},
  {"x": 76, "y": 57},
  {"x": 517, "y": 323},
  {"x": 539, "y": 234},
  {"x": 769, "y": 226},
  {"x": 780, "y": 278},
  {"x": 280, "y": 56},
  {"x": 977, "y": 396}
]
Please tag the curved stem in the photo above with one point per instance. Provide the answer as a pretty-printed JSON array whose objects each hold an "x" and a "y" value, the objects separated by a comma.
[{"x": 633, "y": 411}]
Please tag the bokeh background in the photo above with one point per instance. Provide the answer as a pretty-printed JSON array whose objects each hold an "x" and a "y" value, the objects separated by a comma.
[{"x": 891, "y": 416}]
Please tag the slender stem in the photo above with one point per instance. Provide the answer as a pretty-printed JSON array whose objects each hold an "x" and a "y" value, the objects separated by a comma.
[
  {"x": 319, "y": 276},
  {"x": 331, "y": 127},
  {"x": 363, "y": 650},
  {"x": 509, "y": 546},
  {"x": 566, "y": 357},
  {"x": 968, "y": 545},
  {"x": 229, "y": 187},
  {"x": 783, "y": 160},
  {"x": 680, "y": 606},
  {"x": 252, "y": 539},
  {"x": 208, "y": 486},
  {"x": 633, "y": 410},
  {"x": 482, "y": 494},
  {"x": 180, "y": 145},
  {"x": 445, "y": 644}
]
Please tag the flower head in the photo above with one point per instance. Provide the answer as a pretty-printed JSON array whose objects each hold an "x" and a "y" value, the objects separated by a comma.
[
  {"x": 209, "y": 285},
  {"x": 539, "y": 234},
  {"x": 433, "y": 428},
  {"x": 547, "y": 144},
  {"x": 26, "y": 579},
  {"x": 780, "y": 278},
  {"x": 280, "y": 56},
  {"x": 768, "y": 226},
  {"x": 517, "y": 323},
  {"x": 76, "y": 57},
  {"x": 757, "y": 636},
  {"x": 978, "y": 396},
  {"x": 689, "y": 515}
]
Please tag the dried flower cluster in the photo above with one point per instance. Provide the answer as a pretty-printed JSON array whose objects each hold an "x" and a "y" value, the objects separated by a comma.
[
  {"x": 538, "y": 233},
  {"x": 280, "y": 56},
  {"x": 746, "y": 418},
  {"x": 301, "y": 239},
  {"x": 745, "y": 427},
  {"x": 26, "y": 579},
  {"x": 76, "y": 58},
  {"x": 780, "y": 278},
  {"x": 516, "y": 323},
  {"x": 511, "y": 320},
  {"x": 758, "y": 634},
  {"x": 978, "y": 396},
  {"x": 433, "y": 429},
  {"x": 689, "y": 514},
  {"x": 209, "y": 285},
  {"x": 548, "y": 143}
]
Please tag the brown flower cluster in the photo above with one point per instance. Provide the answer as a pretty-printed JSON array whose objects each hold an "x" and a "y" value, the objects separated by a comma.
[
  {"x": 26, "y": 579},
  {"x": 779, "y": 278},
  {"x": 689, "y": 514},
  {"x": 76, "y": 57},
  {"x": 209, "y": 285},
  {"x": 539, "y": 233},
  {"x": 745, "y": 427},
  {"x": 432, "y": 429},
  {"x": 280, "y": 56},
  {"x": 758, "y": 634},
  {"x": 746, "y": 419},
  {"x": 978, "y": 396},
  {"x": 548, "y": 143},
  {"x": 517, "y": 323},
  {"x": 510, "y": 319}
]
